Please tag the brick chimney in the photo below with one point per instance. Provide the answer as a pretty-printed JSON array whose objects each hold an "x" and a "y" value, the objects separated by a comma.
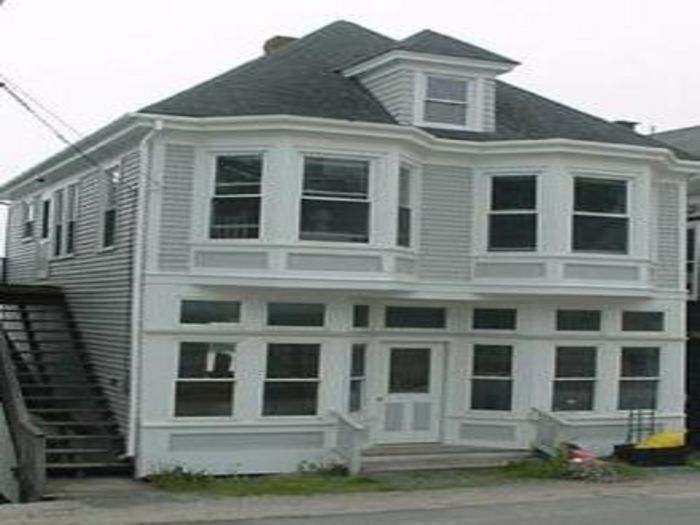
[{"x": 276, "y": 43}]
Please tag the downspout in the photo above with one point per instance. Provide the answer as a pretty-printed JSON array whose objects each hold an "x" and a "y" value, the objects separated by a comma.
[{"x": 141, "y": 236}]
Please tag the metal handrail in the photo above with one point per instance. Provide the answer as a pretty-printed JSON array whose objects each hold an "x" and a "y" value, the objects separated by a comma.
[{"x": 28, "y": 440}]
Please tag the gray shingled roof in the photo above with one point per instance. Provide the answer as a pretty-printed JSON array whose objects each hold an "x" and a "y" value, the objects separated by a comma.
[
  {"x": 304, "y": 79},
  {"x": 687, "y": 139}
]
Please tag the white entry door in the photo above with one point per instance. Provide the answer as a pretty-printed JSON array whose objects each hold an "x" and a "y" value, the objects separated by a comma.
[{"x": 410, "y": 393}]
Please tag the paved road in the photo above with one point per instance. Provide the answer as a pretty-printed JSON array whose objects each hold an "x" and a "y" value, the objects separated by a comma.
[{"x": 676, "y": 509}]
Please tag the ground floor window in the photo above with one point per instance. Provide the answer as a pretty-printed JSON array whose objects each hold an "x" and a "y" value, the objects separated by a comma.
[
  {"x": 574, "y": 378},
  {"x": 291, "y": 379},
  {"x": 492, "y": 377},
  {"x": 639, "y": 377},
  {"x": 357, "y": 377},
  {"x": 205, "y": 382}
]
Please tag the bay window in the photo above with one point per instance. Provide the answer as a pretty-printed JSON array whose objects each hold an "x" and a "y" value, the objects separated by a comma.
[
  {"x": 403, "y": 227},
  {"x": 235, "y": 206},
  {"x": 335, "y": 204},
  {"x": 639, "y": 378},
  {"x": 601, "y": 219},
  {"x": 513, "y": 213}
]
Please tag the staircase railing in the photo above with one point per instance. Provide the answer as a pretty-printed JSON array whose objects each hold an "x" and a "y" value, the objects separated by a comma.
[
  {"x": 550, "y": 431},
  {"x": 349, "y": 438},
  {"x": 29, "y": 442}
]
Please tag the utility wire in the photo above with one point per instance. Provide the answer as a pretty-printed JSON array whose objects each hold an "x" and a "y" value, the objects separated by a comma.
[{"x": 49, "y": 125}]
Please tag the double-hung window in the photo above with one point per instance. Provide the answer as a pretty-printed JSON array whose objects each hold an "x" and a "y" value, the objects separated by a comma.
[
  {"x": 45, "y": 219},
  {"x": 492, "y": 377},
  {"x": 27, "y": 219},
  {"x": 513, "y": 213},
  {"x": 691, "y": 262},
  {"x": 446, "y": 101},
  {"x": 639, "y": 378},
  {"x": 111, "y": 183},
  {"x": 335, "y": 204},
  {"x": 71, "y": 217},
  {"x": 291, "y": 382},
  {"x": 58, "y": 222},
  {"x": 235, "y": 206},
  {"x": 65, "y": 213},
  {"x": 205, "y": 380},
  {"x": 575, "y": 377},
  {"x": 356, "y": 398},
  {"x": 403, "y": 227},
  {"x": 601, "y": 215}
]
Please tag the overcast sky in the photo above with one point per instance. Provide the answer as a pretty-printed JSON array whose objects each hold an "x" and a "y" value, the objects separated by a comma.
[{"x": 91, "y": 61}]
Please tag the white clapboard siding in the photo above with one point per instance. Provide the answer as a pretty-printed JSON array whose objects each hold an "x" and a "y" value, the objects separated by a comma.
[
  {"x": 488, "y": 109},
  {"x": 176, "y": 208},
  {"x": 446, "y": 223},
  {"x": 395, "y": 92},
  {"x": 667, "y": 270}
]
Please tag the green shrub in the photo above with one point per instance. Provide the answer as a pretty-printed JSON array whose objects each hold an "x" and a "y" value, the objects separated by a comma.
[{"x": 179, "y": 478}]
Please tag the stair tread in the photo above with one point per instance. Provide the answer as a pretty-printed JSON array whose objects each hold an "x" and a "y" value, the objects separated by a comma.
[
  {"x": 82, "y": 436},
  {"x": 78, "y": 450},
  {"x": 78, "y": 423},
  {"x": 62, "y": 385},
  {"x": 63, "y": 410},
  {"x": 87, "y": 465}
]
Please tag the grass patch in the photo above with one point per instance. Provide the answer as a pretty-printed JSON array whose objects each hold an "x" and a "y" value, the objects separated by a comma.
[{"x": 558, "y": 467}]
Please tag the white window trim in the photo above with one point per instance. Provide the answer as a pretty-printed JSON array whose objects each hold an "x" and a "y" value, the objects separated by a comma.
[
  {"x": 105, "y": 181},
  {"x": 472, "y": 102},
  {"x": 65, "y": 219}
]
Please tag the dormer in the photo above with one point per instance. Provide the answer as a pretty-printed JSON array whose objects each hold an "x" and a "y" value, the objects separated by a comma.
[{"x": 434, "y": 81}]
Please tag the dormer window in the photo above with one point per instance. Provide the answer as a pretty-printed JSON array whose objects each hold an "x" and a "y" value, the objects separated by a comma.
[{"x": 446, "y": 101}]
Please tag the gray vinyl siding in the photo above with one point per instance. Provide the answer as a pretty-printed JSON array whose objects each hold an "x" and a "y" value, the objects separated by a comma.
[
  {"x": 488, "y": 109},
  {"x": 667, "y": 233},
  {"x": 97, "y": 282},
  {"x": 21, "y": 253},
  {"x": 446, "y": 223},
  {"x": 395, "y": 92},
  {"x": 176, "y": 208}
]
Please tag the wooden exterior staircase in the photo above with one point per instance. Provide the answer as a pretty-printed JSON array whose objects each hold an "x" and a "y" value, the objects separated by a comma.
[{"x": 56, "y": 382}]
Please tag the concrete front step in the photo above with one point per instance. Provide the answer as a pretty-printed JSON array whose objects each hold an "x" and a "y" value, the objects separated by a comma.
[{"x": 392, "y": 458}]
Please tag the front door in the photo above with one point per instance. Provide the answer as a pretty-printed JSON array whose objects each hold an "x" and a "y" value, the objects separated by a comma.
[{"x": 410, "y": 393}]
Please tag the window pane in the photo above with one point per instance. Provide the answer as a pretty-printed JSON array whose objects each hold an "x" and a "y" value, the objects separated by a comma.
[
  {"x": 360, "y": 316},
  {"x": 513, "y": 232},
  {"x": 573, "y": 395},
  {"x": 202, "y": 398},
  {"x": 358, "y": 360},
  {"x": 600, "y": 195},
  {"x": 290, "y": 399},
  {"x": 356, "y": 402},
  {"x": 494, "y": 318},
  {"x": 45, "y": 218},
  {"x": 344, "y": 178},
  {"x": 640, "y": 362},
  {"x": 405, "y": 186},
  {"x": 235, "y": 218},
  {"x": 110, "y": 226},
  {"x": 445, "y": 112},
  {"x": 513, "y": 193},
  {"x": 204, "y": 312},
  {"x": 578, "y": 320},
  {"x": 492, "y": 360},
  {"x": 403, "y": 236},
  {"x": 576, "y": 361},
  {"x": 447, "y": 89},
  {"x": 70, "y": 237},
  {"x": 409, "y": 370},
  {"x": 488, "y": 394},
  {"x": 643, "y": 321},
  {"x": 210, "y": 360},
  {"x": 292, "y": 361},
  {"x": 239, "y": 175},
  {"x": 414, "y": 317},
  {"x": 339, "y": 221},
  {"x": 600, "y": 234},
  {"x": 637, "y": 394},
  {"x": 296, "y": 314}
]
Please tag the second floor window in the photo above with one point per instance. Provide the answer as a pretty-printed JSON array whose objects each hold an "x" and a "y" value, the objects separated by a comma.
[
  {"x": 235, "y": 207},
  {"x": 403, "y": 227},
  {"x": 58, "y": 222},
  {"x": 601, "y": 221},
  {"x": 513, "y": 213},
  {"x": 27, "y": 218},
  {"x": 335, "y": 202},
  {"x": 112, "y": 178}
]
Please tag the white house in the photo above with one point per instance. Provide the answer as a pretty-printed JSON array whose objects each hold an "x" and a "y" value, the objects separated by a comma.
[{"x": 355, "y": 241}]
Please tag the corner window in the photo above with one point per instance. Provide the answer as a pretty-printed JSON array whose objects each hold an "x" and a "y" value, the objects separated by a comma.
[
  {"x": 335, "y": 204},
  {"x": 111, "y": 181},
  {"x": 601, "y": 221},
  {"x": 446, "y": 101},
  {"x": 403, "y": 227},
  {"x": 209, "y": 312},
  {"x": 575, "y": 374},
  {"x": 296, "y": 314},
  {"x": 235, "y": 206},
  {"x": 492, "y": 377},
  {"x": 513, "y": 214},
  {"x": 414, "y": 317},
  {"x": 356, "y": 399},
  {"x": 634, "y": 321},
  {"x": 205, "y": 380},
  {"x": 494, "y": 318},
  {"x": 578, "y": 320},
  {"x": 639, "y": 378},
  {"x": 27, "y": 219},
  {"x": 291, "y": 381}
]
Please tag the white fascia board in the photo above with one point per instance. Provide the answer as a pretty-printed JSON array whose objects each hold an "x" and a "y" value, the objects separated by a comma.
[
  {"x": 423, "y": 60},
  {"x": 423, "y": 139}
]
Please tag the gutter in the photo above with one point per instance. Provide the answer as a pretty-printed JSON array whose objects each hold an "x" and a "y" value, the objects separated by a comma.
[{"x": 139, "y": 260}]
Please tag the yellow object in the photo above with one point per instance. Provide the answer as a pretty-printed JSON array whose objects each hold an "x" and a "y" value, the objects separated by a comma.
[{"x": 668, "y": 438}]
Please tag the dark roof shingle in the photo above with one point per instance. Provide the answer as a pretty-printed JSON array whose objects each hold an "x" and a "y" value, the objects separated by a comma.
[{"x": 428, "y": 41}]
